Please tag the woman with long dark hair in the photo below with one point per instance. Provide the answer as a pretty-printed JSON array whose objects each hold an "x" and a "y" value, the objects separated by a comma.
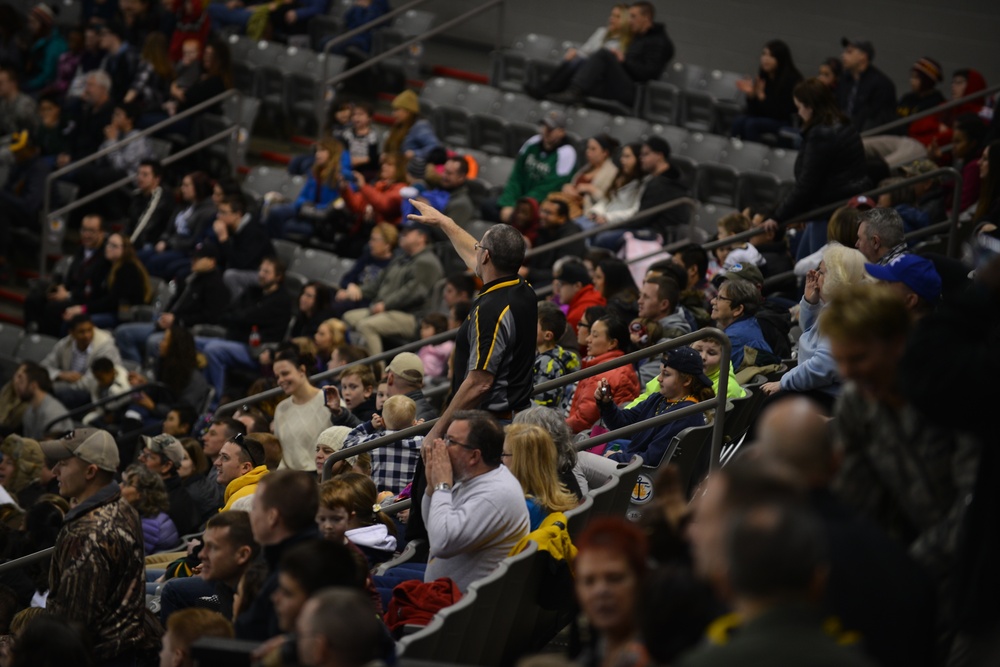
[
  {"x": 178, "y": 370},
  {"x": 126, "y": 284},
  {"x": 831, "y": 164},
  {"x": 769, "y": 96},
  {"x": 613, "y": 280},
  {"x": 314, "y": 308},
  {"x": 623, "y": 197}
]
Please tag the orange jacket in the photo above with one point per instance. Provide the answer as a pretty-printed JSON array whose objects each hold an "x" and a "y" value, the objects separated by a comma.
[{"x": 624, "y": 382}]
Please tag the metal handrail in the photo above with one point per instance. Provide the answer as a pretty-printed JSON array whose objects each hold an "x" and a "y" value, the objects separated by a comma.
[
  {"x": 18, "y": 563},
  {"x": 719, "y": 403},
  {"x": 594, "y": 231},
  {"x": 829, "y": 208},
  {"x": 84, "y": 409},
  {"x": 944, "y": 106},
  {"x": 48, "y": 214},
  {"x": 374, "y": 60}
]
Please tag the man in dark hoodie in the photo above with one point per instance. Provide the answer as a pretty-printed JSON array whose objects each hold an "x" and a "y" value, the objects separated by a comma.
[
  {"x": 283, "y": 515},
  {"x": 611, "y": 74}
]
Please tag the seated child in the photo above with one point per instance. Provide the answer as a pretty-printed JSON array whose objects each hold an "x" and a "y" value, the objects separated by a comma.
[
  {"x": 710, "y": 350},
  {"x": 682, "y": 382},
  {"x": 737, "y": 253},
  {"x": 381, "y": 394},
  {"x": 393, "y": 466},
  {"x": 357, "y": 388},
  {"x": 104, "y": 380},
  {"x": 348, "y": 514},
  {"x": 435, "y": 357},
  {"x": 553, "y": 360},
  {"x": 187, "y": 626}
]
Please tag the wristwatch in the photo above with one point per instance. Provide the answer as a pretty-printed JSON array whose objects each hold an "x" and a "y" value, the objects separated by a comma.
[{"x": 443, "y": 486}]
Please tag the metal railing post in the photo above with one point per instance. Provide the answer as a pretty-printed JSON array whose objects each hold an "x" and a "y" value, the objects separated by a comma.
[{"x": 944, "y": 106}]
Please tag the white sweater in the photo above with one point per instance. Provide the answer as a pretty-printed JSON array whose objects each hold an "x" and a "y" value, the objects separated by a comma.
[{"x": 297, "y": 427}]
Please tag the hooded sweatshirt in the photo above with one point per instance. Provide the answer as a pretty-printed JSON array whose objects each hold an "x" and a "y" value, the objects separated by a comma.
[
  {"x": 374, "y": 541},
  {"x": 243, "y": 487}
]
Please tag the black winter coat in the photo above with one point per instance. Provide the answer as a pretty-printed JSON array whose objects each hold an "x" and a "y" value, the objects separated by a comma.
[
  {"x": 830, "y": 167},
  {"x": 648, "y": 54}
]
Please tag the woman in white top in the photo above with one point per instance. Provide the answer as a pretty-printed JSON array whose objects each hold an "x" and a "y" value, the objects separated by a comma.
[
  {"x": 623, "y": 198},
  {"x": 300, "y": 419}
]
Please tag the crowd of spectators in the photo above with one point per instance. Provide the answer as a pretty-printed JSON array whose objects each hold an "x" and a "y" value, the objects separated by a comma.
[{"x": 863, "y": 492}]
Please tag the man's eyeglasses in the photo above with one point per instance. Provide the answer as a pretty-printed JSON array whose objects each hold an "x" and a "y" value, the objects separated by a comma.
[
  {"x": 238, "y": 440},
  {"x": 449, "y": 441},
  {"x": 479, "y": 246}
]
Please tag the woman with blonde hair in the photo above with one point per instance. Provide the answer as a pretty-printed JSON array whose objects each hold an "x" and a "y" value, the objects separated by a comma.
[
  {"x": 330, "y": 334},
  {"x": 375, "y": 256},
  {"x": 530, "y": 455},
  {"x": 816, "y": 372},
  {"x": 126, "y": 284}
]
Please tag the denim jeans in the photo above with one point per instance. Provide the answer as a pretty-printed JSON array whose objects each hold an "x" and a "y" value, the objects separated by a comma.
[{"x": 221, "y": 354}]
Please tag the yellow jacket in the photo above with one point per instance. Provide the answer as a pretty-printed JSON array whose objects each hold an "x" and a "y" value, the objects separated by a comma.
[{"x": 244, "y": 486}]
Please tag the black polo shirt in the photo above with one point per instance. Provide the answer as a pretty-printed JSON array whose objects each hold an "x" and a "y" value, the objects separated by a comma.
[{"x": 498, "y": 337}]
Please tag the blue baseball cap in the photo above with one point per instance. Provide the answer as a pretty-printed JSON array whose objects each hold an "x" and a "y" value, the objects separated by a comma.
[
  {"x": 686, "y": 360},
  {"x": 913, "y": 271}
]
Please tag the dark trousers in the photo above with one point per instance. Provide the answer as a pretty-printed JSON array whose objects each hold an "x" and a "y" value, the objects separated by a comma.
[{"x": 603, "y": 76}]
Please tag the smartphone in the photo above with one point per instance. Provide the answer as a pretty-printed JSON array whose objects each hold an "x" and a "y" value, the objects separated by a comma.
[{"x": 328, "y": 391}]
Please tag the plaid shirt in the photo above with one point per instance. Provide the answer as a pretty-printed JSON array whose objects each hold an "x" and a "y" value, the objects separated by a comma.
[{"x": 392, "y": 466}]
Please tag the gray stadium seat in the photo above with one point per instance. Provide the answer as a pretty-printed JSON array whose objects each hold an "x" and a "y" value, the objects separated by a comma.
[
  {"x": 701, "y": 147},
  {"x": 661, "y": 103},
  {"x": 675, "y": 136},
  {"x": 758, "y": 189},
  {"x": 287, "y": 250},
  {"x": 627, "y": 129},
  {"x": 496, "y": 170},
  {"x": 744, "y": 155},
  {"x": 302, "y": 86},
  {"x": 510, "y": 66},
  {"x": 781, "y": 163},
  {"x": 683, "y": 76},
  {"x": 586, "y": 123},
  {"x": 717, "y": 183},
  {"x": 34, "y": 347},
  {"x": 262, "y": 180}
]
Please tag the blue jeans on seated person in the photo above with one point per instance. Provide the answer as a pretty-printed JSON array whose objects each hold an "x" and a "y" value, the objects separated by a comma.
[
  {"x": 811, "y": 239},
  {"x": 395, "y": 576},
  {"x": 221, "y": 354},
  {"x": 131, "y": 340},
  {"x": 163, "y": 264},
  {"x": 186, "y": 592},
  {"x": 222, "y": 15}
]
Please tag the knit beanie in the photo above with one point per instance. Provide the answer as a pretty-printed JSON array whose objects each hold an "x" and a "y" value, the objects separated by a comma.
[
  {"x": 407, "y": 100},
  {"x": 43, "y": 14},
  {"x": 929, "y": 72},
  {"x": 333, "y": 438}
]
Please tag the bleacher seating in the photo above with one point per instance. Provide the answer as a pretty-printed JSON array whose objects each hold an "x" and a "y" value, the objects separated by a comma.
[{"x": 512, "y": 66}]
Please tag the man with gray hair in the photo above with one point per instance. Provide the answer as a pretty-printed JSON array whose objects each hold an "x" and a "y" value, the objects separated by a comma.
[
  {"x": 98, "y": 107},
  {"x": 495, "y": 348},
  {"x": 880, "y": 235}
]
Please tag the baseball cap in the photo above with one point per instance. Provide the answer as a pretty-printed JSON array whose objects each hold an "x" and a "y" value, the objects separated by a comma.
[
  {"x": 166, "y": 446},
  {"x": 554, "y": 119},
  {"x": 918, "y": 167},
  {"x": 863, "y": 203},
  {"x": 685, "y": 360},
  {"x": 746, "y": 272},
  {"x": 913, "y": 271},
  {"x": 416, "y": 227},
  {"x": 407, "y": 366},
  {"x": 861, "y": 45},
  {"x": 92, "y": 445}
]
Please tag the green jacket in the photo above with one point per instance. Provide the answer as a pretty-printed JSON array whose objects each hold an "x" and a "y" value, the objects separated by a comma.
[
  {"x": 734, "y": 389},
  {"x": 538, "y": 172}
]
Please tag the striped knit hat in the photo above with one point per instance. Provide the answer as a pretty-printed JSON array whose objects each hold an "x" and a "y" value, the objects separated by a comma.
[{"x": 928, "y": 68}]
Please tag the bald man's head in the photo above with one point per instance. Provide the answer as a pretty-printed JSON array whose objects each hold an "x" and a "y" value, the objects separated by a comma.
[{"x": 795, "y": 432}]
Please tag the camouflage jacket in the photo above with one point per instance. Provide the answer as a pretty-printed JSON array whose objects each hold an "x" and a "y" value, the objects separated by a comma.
[
  {"x": 550, "y": 365},
  {"x": 97, "y": 576},
  {"x": 911, "y": 476}
]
